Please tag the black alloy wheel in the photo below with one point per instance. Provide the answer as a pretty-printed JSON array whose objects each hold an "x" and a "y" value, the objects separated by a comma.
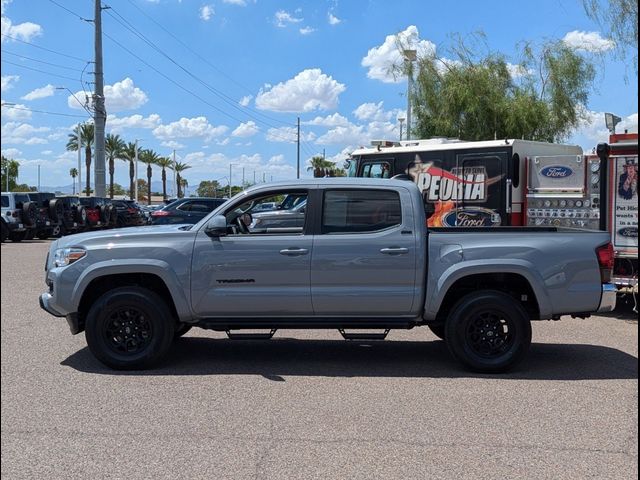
[{"x": 127, "y": 331}]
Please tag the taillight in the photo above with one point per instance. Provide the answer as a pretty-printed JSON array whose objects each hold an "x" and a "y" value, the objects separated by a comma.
[
  {"x": 131, "y": 210},
  {"x": 605, "y": 261},
  {"x": 160, "y": 213}
]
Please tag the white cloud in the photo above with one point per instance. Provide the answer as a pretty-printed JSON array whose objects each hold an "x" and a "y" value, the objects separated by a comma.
[
  {"x": 588, "y": 41},
  {"x": 246, "y": 129},
  {"x": 244, "y": 101},
  {"x": 172, "y": 144},
  {"x": 333, "y": 20},
  {"x": 518, "y": 71},
  {"x": 240, "y": 3},
  {"x": 593, "y": 129},
  {"x": 8, "y": 82},
  {"x": 22, "y": 31},
  {"x": 309, "y": 90},
  {"x": 15, "y": 112},
  {"x": 380, "y": 60},
  {"x": 288, "y": 135},
  {"x": 11, "y": 152},
  {"x": 22, "y": 133},
  {"x": 368, "y": 111},
  {"x": 307, "y": 30},
  {"x": 42, "y": 92},
  {"x": 197, "y": 127},
  {"x": 206, "y": 12},
  {"x": 118, "y": 124},
  {"x": 283, "y": 19},
  {"x": 332, "y": 120},
  {"x": 46, "y": 152},
  {"x": 123, "y": 95},
  {"x": 3, "y": 4}
]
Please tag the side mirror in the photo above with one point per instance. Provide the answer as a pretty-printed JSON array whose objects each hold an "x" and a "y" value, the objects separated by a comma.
[{"x": 216, "y": 227}]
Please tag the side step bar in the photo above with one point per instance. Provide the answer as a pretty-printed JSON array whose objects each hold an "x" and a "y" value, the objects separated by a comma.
[
  {"x": 251, "y": 336},
  {"x": 364, "y": 335}
]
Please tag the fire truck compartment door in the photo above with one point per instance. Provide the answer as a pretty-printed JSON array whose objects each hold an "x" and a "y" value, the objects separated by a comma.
[
  {"x": 557, "y": 174},
  {"x": 483, "y": 198}
]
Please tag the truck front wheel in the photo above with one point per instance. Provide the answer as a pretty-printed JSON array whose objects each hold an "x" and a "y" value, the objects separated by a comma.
[
  {"x": 488, "y": 331},
  {"x": 129, "y": 328}
]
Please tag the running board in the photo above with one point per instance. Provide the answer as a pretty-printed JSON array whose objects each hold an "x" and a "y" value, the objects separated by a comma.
[
  {"x": 364, "y": 335},
  {"x": 251, "y": 336}
]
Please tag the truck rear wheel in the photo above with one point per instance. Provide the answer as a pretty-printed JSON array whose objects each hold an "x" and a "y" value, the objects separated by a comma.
[
  {"x": 129, "y": 328},
  {"x": 437, "y": 330},
  {"x": 488, "y": 331}
]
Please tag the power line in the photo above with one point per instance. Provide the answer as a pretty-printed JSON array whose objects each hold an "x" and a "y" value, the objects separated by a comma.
[
  {"x": 41, "y": 61},
  {"x": 71, "y": 12},
  {"x": 43, "y": 48},
  {"x": 38, "y": 70},
  {"x": 15, "y": 107}
]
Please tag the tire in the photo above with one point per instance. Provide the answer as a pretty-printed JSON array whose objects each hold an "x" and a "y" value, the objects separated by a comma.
[
  {"x": 17, "y": 237},
  {"x": 129, "y": 328},
  {"x": 43, "y": 236},
  {"x": 30, "y": 234},
  {"x": 5, "y": 232},
  {"x": 81, "y": 216},
  {"x": 29, "y": 214},
  {"x": 488, "y": 331},
  {"x": 56, "y": 231},
  {"x": 56, "y": 210},
  {"x": 181, "y": 329},
  {"x": 437, "y": 330}
]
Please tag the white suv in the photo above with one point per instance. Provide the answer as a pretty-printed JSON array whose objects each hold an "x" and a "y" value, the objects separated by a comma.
[{"x": 18, "y": 216}]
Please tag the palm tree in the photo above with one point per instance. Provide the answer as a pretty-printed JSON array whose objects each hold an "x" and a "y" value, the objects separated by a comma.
[
  {"x": 86, "y": 138},
  {"x": 164, "y": 163},
  {"x": 149, "y": 157},
  {"x": 74, "y": 173},
  {"x": 113, "y": 147},
  {"x": 320, "y": 166},
  {"x": 129, "y": 155},
  {"x": 179, "y": 168}
]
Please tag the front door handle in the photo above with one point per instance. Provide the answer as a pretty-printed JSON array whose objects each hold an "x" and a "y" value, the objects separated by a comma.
[
  {"x": 294, "y": 252},
  {"x": 394, "y": 251}
]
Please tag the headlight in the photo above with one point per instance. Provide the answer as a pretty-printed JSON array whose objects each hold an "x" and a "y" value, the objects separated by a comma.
[{"x": 66, "y": 256}]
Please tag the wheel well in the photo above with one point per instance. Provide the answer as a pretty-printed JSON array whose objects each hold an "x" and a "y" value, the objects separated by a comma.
[
  {"x": 100, "y": 285},
  {"x": 512, "y": 284}
]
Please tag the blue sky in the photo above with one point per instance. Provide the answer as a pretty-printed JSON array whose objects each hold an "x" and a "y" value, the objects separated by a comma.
[{"x": 223, "y": 81}]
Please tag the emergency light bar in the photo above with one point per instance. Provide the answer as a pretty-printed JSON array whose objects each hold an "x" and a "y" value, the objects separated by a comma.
[{"x": 384, "y": 143}]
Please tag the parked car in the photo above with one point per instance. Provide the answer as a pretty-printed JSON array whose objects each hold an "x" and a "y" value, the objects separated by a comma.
[
  {"x": 72, "y": 213},
  {"x": 291, "y": 218},
  {"x": 45, "y": 225},
  {"x": 129, "y": 213},
  {"x": 186, "y": 210},
  {"x": 364, "y": 259},
  {"x": 100, "y": 212},
  {"x": 19, "y": 216},
  {"x": 265, "y": 207}
]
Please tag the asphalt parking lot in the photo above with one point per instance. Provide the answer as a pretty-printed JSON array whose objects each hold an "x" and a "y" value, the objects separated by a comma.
[{"x": 310, "y": 405}]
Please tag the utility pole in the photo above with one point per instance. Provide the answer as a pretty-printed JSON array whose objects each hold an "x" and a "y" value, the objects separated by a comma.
[
  {"x": 298, "y": 148},
  {"x": 100, "y": 114},
  {"x": 79, "y": 160},
  {"x": 324, "y": 157},
  {"x": 38, "y": 177},
  {"x": 242, "y": 178},
  {"x": 135, "y": 184},
  {"x": 400, "y": 119},
  {"x": 230, "y": 165}
]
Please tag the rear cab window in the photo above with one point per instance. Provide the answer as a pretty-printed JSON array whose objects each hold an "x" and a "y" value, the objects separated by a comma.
[{"x": 360, "y": 211}]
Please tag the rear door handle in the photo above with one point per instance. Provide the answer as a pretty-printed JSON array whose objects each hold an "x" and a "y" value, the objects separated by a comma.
[
  {"x": 394, "y": 251},
  {"x": 294, "y": 252}
]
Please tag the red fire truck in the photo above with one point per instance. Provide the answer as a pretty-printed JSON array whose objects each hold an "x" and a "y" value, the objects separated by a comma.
[{"x": 517, "y": 183}]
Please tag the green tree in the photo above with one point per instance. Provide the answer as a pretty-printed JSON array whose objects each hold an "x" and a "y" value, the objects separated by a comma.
[
  {"x": 149, "y": 157},
  {"x": 128, "y": 154},
  {"x": 87, "y": 131},
  {"x": 208, "y": 188},
  {"x": 9, "y": 170},
  {"x": 164, "y": 163},
  {"x": 476, "y": 97},
  {"x": 74, "y": 174},
  {"x": 118, "y": 189},
  {"x": 180, "y": 167},
  {"x": 142, "y": 187},
  {"x": 320, "y": 166},
  {"x": 23, "y": 187},
  {"x": 619, "y": 22},
  {"x": 114, "y": 147}
]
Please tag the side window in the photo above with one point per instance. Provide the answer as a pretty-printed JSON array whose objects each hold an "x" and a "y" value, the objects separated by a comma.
[
  {"x": 185, "y": 207},
  {"x": 201, "y": 207},
  {"x": 377, "y": 170},
  {"x": 351, "y": 211},
  {"x": 246, "y": 218},
  {"x": 5, "y": 201}
]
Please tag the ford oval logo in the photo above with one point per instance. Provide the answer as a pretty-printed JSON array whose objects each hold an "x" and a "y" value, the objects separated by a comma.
[
  {"x": 472, "y": 217},
  {"x": 629, "y": 232},
  {"x": 556, "y": 171}
]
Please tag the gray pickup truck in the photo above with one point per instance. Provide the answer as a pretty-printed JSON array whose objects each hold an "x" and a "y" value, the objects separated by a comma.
[{"x": 362, "y": 260}]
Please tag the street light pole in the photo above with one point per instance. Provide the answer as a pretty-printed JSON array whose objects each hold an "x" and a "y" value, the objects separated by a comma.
[
  {"x": 135, "y": 184},
  {"x": 230, "y": 165},
  {"x": 409, "y": 56}
]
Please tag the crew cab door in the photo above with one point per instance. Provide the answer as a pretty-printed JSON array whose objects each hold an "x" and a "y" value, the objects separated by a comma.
[
  {"x": 364, "y": 255},
  {"x": 252, "y": 272}
]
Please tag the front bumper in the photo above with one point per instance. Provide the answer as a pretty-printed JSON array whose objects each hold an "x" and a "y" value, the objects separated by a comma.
[
  {"x": 608, "y": 298},
  {"x": 45, "y": 304}
]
